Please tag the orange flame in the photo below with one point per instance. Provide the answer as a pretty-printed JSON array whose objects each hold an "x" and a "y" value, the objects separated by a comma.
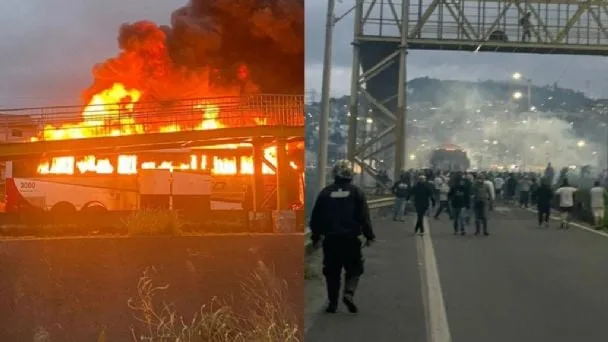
[
  {"x": 128, "y": 165},
  {"x": 110, "y": 113}
]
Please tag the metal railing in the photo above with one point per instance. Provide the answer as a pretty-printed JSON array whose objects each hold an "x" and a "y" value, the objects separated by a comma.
[
  {"x": 107, "y": 120},
  {"x": 373, "y": 205},
  {"x": 574, "y": 22}
]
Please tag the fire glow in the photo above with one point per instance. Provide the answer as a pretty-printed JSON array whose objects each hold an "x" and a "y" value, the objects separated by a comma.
[
  {"x": 108, "y": 114},
  {"x": 129, "y": 165},
  {"x": 111, "y": 113}
]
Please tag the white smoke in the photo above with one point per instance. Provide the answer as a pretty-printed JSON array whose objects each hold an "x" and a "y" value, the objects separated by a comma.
[{"x": 493, "y": 133}]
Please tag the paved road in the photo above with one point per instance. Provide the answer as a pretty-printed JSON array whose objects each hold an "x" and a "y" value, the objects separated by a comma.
[
  {"x": 518, "y": 284},
  {"x": 389, "y": 297}
]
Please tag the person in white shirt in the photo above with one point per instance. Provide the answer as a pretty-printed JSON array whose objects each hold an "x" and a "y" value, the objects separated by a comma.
[
  {"x": 438, "y": 181},
  {"x": 490, "y": 185},
  {"x": 498, "y": 184},
  {"x": 566, "y": 202},
  {"x": 444, "y": 189},
  {"x": 597, "y": 204}
]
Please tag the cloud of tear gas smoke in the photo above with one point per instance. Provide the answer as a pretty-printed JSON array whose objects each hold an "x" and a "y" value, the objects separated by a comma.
[
  {"x": 212, "y": 47},
  {"x": 496, "y": 135}
]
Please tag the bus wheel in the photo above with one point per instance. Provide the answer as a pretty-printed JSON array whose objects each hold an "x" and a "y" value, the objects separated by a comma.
[
  {"x": 63, "y": 208},
  {"x": 94, "y": 209},
  {"x": 94, "y": 216},
  {"x": 63, "y": 212}
]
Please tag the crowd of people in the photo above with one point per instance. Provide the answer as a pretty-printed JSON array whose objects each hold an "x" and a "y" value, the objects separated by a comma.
[
  {"x": 466, "y": 195},
  {"x": 340, "y": 215}
]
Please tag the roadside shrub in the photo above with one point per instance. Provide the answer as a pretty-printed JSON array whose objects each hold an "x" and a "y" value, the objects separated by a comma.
[{"x": 153, "y": 222}]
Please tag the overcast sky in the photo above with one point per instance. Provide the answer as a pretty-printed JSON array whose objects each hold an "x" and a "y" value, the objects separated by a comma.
[
  {"x": 586, "y": 74},
  {"x": 48, "y": 47}
]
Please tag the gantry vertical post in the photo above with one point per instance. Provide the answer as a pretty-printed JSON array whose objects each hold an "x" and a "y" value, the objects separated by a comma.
[
  {"x": 324, "y": 120},
  {"x": 354, "y": 84},
  {"x": 258, "y": 177},
  {"x": 282, "y": 174},
  {"x": 401, "y": 133}
]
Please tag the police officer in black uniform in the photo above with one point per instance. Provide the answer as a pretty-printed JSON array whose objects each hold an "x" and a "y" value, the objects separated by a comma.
[
  {"x": 423, "y": 196},
  {"x": 341, "y": 216}
]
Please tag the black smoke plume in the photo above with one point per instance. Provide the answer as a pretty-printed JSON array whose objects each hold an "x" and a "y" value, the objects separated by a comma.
[{"x": 211, "y": 48}]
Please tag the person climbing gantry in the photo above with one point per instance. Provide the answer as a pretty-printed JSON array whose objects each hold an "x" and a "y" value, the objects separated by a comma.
[{"x": 526, "y": 25}]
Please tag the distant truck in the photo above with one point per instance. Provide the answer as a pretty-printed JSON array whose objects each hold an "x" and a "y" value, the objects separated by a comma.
[{"x": 450, "y": 158}]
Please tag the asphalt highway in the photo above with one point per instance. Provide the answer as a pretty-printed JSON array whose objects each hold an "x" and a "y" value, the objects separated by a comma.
[{"x": 520, "y": 284}]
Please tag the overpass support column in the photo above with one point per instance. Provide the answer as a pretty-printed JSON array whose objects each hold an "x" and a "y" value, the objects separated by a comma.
[
  {"x": 354, "y": 85},
  {"x": 282, "y": 175},
  {"x": 258, "y": 176},
  {"x": 401, "y": 124},
  {"x": 325, "y": 101}
]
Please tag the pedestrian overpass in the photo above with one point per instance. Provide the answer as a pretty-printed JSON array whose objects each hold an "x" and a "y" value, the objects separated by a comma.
[
  {"x": 65, "y": 130},
  {"x": 382, "y": 39}
]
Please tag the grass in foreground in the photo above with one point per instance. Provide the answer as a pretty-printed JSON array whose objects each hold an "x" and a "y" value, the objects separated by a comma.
[{"x": 269, "y": 317}]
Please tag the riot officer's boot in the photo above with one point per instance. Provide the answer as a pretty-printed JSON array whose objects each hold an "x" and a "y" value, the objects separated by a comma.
[
  {"x": 331, "y": 308},
  {"x": 333, "y": 292},
  {"x": 350, "y": 286}
]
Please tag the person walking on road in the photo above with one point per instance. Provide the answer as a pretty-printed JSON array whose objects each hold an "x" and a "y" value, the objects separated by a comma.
[
  {"x": 400, "y": 189},
  {"x": 524, "y": 192},
  {"x": 511, "y": 186},
  {"x": 340, "y": 215},
  {"x": 460, "y": 200},
  {"x": 490, "y": 186},
  {"x": 566, "y": 202},
  {"x": 430, "y": 182},
  {"x": 544, "y": 199},
  {"x": 482, "y": 199},
  {"x": 499, "y": 182},
  {"x": 549, "y": 174},
  {"x": 469, "y": 182},
  {"x": 444, "y": 189},
  {"x": 598, "y": 194},
  {"x": 533, "y": 190},
  {"x": 423, "y": 196}
]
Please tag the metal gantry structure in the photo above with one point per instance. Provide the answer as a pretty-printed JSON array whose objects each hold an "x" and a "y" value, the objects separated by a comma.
[{"x": 382, "y": 39}]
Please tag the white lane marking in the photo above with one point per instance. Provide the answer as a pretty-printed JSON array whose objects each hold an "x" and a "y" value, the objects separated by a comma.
[
  {"x": 437, "y": 318},
  {"x": 423, "y": 286},
  {"x": 577, "y": 225}
]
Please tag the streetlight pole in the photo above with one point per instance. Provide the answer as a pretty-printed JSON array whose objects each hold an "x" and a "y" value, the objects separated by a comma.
[
  {"x": 529, "y": 82},
  {"x": 519, "y": 76},
  {"x": 367, "y": 130}
]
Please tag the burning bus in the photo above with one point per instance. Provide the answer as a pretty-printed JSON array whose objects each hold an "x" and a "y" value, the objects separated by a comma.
[
  {"x": 215, "y": 175},
  {"x": 195, "y": 179}
]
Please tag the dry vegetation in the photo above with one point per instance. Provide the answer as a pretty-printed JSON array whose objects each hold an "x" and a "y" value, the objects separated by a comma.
[
  {"x": 153, "y": 222},
  {"x": 269, "y": 317}
]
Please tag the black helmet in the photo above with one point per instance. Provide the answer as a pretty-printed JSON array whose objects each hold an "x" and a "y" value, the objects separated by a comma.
[{"x": 343, "y": 169}]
